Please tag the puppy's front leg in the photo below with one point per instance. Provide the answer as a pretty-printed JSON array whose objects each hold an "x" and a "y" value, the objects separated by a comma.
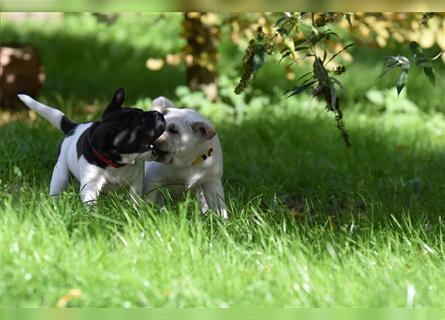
[
  {"x": 202, "y": 201},
  {"x": 137, "y": 185},
  {"x": 90, "y": 190},
  {"x": 214, "y": 195},
  {"x": 59, "y": 179},
  {"x": 151, "y": 191}
]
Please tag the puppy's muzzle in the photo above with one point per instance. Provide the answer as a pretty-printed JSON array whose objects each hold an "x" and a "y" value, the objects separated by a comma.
[
  {"x": 162, "y": 143},
  {"x": 161, "y": 148}
]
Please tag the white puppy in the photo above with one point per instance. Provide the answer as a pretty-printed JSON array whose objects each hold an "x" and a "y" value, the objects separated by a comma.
[{"x": 188, "y": 158}]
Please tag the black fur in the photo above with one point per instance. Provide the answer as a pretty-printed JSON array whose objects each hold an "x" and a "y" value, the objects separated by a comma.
[
  {"x": 84, "y": 148},
  {"x": 67, "y": 126},
  {"x": 121, "y": 131},
  {"x": 116, "y": 102}
]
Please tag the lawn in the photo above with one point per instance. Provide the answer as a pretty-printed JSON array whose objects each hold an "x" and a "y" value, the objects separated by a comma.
[{"x": 312, "y": 223}]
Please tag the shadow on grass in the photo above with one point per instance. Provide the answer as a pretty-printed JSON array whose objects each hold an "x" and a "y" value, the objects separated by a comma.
[
  {"x": 291, "y": 165},
  {"x": 304, "y": 164},
  {"x": 85, "y": 68}
]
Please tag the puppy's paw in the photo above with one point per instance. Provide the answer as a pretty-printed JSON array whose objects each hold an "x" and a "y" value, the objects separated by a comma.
[
  {"x": 90, "y": 205},
  {"x": 220, "y": 213},
  {"x": 223, "y": 214}
]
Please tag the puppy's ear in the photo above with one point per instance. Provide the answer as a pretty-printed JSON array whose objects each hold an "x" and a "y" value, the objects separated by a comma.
[
  {"x": 203, "y": 130},
  {"x": 116, "y": 102},
  {"x": 161, "y": 104}
]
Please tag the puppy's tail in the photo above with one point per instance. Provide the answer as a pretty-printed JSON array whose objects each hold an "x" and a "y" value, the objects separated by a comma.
[{"x": 56, "y": 117}]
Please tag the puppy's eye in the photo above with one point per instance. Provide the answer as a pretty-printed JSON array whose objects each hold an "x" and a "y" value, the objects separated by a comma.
[{"x": 173, "y": 130}]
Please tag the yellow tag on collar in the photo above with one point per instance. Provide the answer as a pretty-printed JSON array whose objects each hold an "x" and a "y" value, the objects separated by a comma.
[{"x": 203, "y": 157}]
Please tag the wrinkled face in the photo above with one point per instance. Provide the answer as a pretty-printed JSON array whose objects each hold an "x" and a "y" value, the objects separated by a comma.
[{"x": 187, "y": 135}]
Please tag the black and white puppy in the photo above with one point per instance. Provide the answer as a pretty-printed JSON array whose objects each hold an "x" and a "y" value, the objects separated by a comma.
[{"x": 103, "y": 154}]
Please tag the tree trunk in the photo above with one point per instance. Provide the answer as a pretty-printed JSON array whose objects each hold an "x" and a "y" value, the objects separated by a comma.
[
  {"x": 21, "y": 72},
  {"x": 201, "y": 31}
]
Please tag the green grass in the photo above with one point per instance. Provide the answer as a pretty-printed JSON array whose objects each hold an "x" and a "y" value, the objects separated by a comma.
[
  {"x": 367, "y": 230},
  {"x": 312, "y": 223}
]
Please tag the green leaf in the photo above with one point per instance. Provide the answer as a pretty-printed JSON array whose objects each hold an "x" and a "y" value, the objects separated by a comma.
[
  {"x": 348, "y": 16},
  {"x": 422, "y": 62},
  {"x": 282, "y": 31},
  {"x": 281, "y": 20},
  {"x": 320, "y": 36},
  {"x": 299, "y": 89},
  {"x": 332, "y": 33},
  {"x": 416, "y": 49},
  {"x": 401, "y": 82},
  {"x": 325, "y": 54},
  {"x": 303, "y": 76},
  {"x": 300, "y": 41},
  {"x": 258, "y": 59},
  {"x": 289, "y": 43},
  {"x": 336, "y": 54},
  {"x": 301, "y": 48},
  {"x": 394, "y": 62},
  {"x": 284, "y": 55},
  {"x": 337, "y": 82},
  {"x": 437, "y": 56},
  {"x": 429, "y": 72}
]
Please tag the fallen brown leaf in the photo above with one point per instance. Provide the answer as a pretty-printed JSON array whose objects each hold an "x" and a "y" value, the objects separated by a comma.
[{"x": 70, "y": 295}]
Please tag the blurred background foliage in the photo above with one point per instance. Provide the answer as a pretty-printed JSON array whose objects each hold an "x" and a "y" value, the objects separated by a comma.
[{"x": 196, "y": 57}]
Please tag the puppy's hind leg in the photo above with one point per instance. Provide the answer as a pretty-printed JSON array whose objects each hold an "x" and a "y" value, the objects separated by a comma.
[
  {"x": 214, "y": 195},
  {"x": 137, "y": 183},
  {"x": 60, "y": 178},
  {"x": 155, "y": 196}
]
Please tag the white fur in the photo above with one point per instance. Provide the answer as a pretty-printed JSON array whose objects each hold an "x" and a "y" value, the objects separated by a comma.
[
  {"x": 52, "y": 115},
  {"x": 93, "y": 179},
  {"x": 178, "y": 174}
]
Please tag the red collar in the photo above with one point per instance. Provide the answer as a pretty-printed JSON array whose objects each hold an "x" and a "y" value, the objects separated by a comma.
[{"x": 105, "y": 160}]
